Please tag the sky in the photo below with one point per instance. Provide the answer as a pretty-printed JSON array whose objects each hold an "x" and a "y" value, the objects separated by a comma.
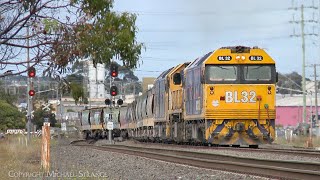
[{"x": 177, "y": 31}]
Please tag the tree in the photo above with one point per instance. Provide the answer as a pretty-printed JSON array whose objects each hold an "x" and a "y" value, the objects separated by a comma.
[
  {"x": 10, "y": 117},
  {"x": 291, "y": 81},
  {"x": 77, "y": 92},
  {"x": 5, "y": 96},
  {"x": 62, "y": 32}
]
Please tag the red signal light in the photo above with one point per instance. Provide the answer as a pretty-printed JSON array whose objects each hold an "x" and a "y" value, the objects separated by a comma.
[
  {"x": 32, "y": 92},
  {"x": 114, "y": 91},
  {"x": 114, "y": 74},
  {"x": 114, "y": 70},
  {"x": 31, "y": 72}
]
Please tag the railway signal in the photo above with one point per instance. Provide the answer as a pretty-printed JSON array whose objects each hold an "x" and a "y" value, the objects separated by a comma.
[
  {"x": 114, "y": 70},
  {"x": 31, "y": 75},
  {"x": 113, "y": 91},
  {"x": 31, "y": 72}
]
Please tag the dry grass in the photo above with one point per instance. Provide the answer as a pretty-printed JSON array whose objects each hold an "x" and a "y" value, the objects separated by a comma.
[
  {"x": 298, "y": 141},
  {"x": 16, "y": 156}
]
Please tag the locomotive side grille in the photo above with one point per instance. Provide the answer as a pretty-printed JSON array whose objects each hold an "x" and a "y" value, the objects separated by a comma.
[{"x": 239, "y": 114}]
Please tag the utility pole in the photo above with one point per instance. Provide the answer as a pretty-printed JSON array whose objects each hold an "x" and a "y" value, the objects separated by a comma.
[
  {"x": 302, "y": 22},
  {"x": 29, "y": 101},
  {"x": 303, "y": 66},
  {"x": 316, "y": 82},
  {"x": 112, "y": 105}
]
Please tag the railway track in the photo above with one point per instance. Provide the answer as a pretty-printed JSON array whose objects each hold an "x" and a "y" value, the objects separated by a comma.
[
  {"x": 286, "y": 151},
  {"x": 261, "y": 167},
  {"x": 297, "y": 152}
]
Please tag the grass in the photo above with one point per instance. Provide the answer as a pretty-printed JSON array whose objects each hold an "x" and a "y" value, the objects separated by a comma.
[
  {"x": 16, "y": 156},
  {"x": 298, "y": 141}
]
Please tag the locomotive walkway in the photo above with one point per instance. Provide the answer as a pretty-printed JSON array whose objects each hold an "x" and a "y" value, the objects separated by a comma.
[{"x": 260, "y": 167}]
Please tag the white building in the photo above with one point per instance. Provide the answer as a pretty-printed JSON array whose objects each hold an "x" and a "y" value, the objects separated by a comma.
[{"x": 96, "y": 80}]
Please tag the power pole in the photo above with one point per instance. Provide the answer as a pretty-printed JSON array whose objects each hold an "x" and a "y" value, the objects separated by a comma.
[
  {"x": 316, "y": 82},
  {"x": 303, "y": 66},
  {"x": 29, "y": 101},
  {"x": 302, "y": 22}
]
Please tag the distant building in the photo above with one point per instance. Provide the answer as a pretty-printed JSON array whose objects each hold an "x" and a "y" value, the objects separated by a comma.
[
  {"x": 96, "y": 80},
  {"x": 289, "y": 109}
]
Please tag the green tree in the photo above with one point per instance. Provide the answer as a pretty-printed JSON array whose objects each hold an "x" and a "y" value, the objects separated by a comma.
[
  {"x": 10, "y": 117},
  {"x": 77, "y": 92},
  {"x": 10, "y": 99},
  {"x": 62, "y": 32}
]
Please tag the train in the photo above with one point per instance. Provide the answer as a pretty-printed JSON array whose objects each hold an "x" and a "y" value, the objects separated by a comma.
[{"x": 226, "y": 97}]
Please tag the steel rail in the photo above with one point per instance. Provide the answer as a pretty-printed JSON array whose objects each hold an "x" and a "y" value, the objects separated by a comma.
[
  {"x": 298, "y": 152},
  {"x": 286, "y": 151},
  {"x": 261, "y": 167}
]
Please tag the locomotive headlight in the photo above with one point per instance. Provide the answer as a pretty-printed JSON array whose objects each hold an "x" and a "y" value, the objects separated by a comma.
[
  {"x": 243, "y": 57},
  {"x": 238, "y": 57}
]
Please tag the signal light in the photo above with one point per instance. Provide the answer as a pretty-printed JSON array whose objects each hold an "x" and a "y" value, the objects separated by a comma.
[
  {"x": 114, "y": 90},
  {"x": 32, "y": 92},
  {"x": 107, "y": 101},
  {"x": 120, "y": 102},
  {"x": 114, "y": 70},
  {"x": 31, "y": 72}
]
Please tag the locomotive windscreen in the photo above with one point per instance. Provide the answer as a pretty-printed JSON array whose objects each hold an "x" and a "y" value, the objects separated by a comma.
[
  {"x": 222, "y": 73},
  {"x": 240, "y": 74},
  {"x": 257, "y": 73}
]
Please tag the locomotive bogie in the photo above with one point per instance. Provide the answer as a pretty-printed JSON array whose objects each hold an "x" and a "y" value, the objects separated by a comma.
[{"x": 240, "y": 132}]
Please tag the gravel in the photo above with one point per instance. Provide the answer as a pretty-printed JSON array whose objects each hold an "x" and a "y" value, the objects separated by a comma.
[
  {"x": 71, "y": 162},
  {"x": 215, "y": 150}
]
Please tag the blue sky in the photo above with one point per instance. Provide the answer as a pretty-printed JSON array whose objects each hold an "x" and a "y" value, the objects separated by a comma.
[{"x": 176, "y": 31}]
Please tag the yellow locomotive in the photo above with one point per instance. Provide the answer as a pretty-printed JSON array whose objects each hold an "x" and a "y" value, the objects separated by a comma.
[{"x": 230, "y": 97}]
